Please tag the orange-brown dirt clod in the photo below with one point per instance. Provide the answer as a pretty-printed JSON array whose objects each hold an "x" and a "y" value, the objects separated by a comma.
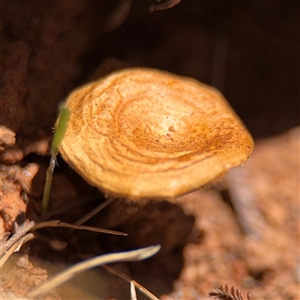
[
  {"x": 7, "y": 138},
  {"x": 15, "y": 154},
  {"x": 20, "y": 276},
  {"x": 15, "y": 183}
]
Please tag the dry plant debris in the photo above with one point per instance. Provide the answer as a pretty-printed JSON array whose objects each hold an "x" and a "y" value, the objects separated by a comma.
[
  {"x": 224, "y": 293},
  {"x": 16, "y": 279},
  {"x": 134, "y": 255}
]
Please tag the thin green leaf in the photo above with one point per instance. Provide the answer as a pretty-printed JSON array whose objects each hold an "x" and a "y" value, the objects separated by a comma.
[{"x": 60, "y": 130}]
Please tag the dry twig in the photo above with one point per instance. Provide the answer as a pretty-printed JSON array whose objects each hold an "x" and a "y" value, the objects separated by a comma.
[
  {"x": 133, "y": 284},
  {"x": 55, "y": 281}
]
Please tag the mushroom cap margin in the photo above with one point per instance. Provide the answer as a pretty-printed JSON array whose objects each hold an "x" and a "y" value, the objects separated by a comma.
[{"x": 146, "y": 133}]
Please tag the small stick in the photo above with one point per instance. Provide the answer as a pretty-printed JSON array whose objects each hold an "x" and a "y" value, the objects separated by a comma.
[
  {"x": 58, "y": 223},
  {"x": 132, "y": 282},
  {"x": 22, "y": 230},
  {"x": 16, "y": 247},
  {"x": 132, "y": 291},
  {"x": 243, "y": 201},
  {"x": 94, "y": 211}
]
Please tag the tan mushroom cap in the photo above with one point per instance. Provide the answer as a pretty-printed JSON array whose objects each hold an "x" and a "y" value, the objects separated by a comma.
[{"x": 145, "y": 133}]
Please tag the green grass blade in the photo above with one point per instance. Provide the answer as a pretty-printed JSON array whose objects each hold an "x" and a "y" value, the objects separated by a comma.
[
  {"x": 47, "y": 188},
  {"x": 60, "y": 130}
]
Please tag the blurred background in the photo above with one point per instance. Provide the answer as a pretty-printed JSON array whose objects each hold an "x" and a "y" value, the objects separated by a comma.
[{"x": 250, "y": 51}]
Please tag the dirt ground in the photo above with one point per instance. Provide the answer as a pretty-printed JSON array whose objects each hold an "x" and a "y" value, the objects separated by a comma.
[{"x": 242, "y": 231}]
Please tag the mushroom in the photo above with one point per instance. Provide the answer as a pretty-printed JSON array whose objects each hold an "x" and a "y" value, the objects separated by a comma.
[{"x": 146, "y": 133}]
